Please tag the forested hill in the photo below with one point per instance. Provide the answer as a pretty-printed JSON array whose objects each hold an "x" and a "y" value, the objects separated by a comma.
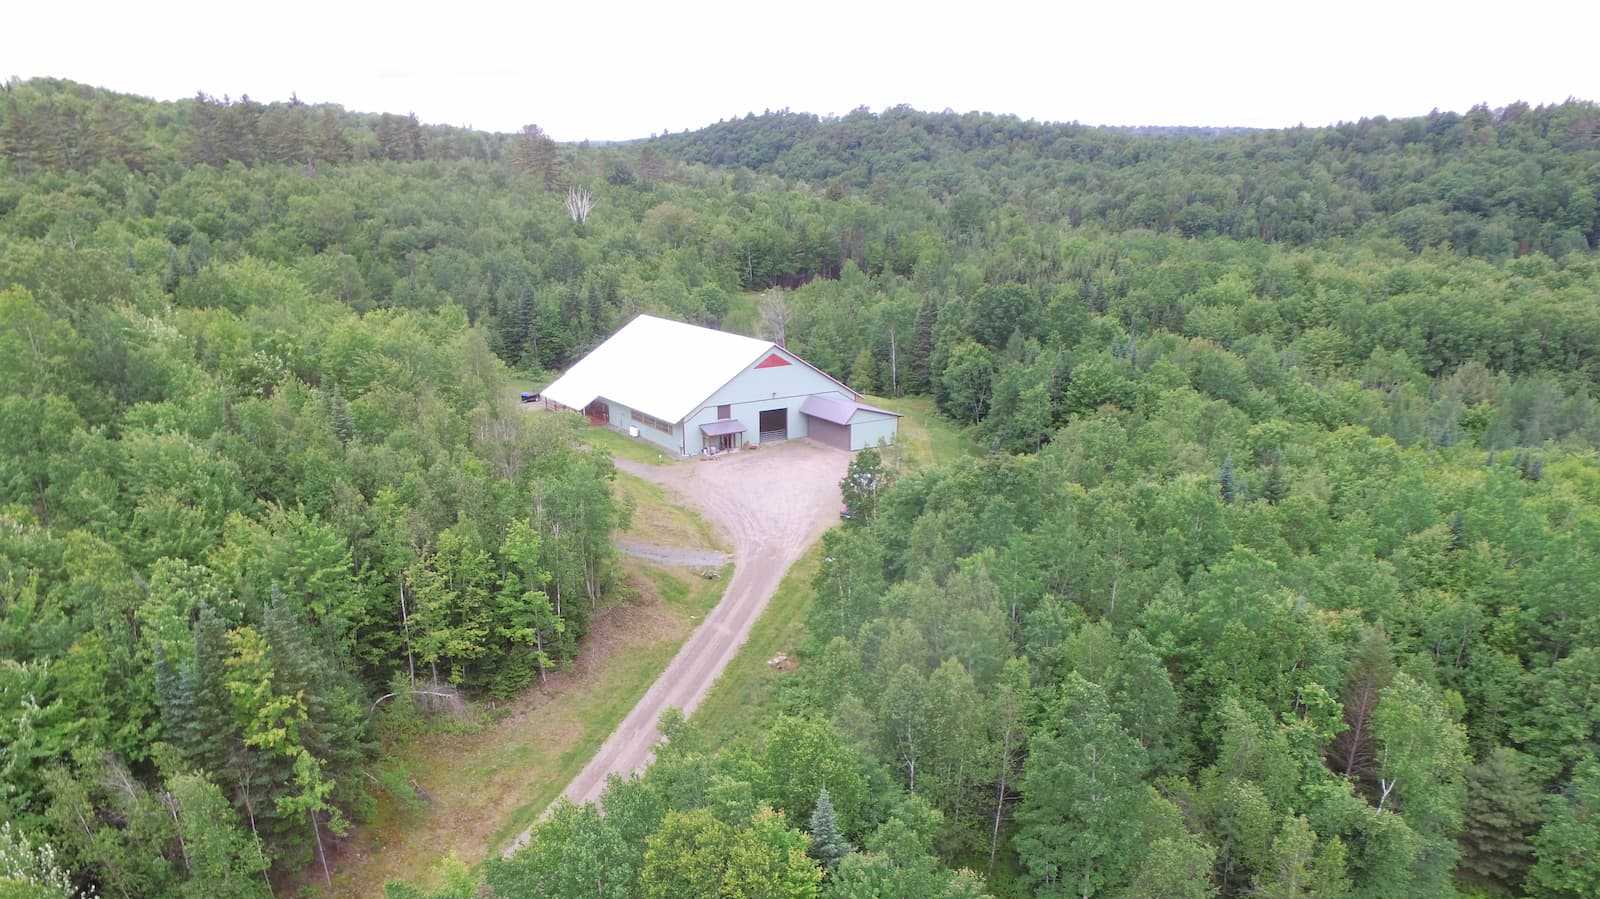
[
  {"x": 1273, "y": 574},
  {"x": 1488, "y": 182},
  {"x": 57, "y": 124}
]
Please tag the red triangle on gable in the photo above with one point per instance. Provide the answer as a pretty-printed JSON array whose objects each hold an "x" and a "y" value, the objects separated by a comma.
[{"x": 772, "y": 361}]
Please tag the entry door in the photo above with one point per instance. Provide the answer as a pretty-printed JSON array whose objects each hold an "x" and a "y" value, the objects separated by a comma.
[{"x": 774, "y": 424}]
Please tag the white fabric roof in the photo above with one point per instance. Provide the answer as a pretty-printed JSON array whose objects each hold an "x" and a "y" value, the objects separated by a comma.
[{"x": 659, "y": 367}]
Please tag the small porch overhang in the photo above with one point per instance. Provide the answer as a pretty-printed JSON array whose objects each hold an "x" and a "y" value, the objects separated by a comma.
[{"x": 719, "y": 428}]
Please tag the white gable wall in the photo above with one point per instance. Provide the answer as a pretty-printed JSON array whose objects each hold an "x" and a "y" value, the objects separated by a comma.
[
  {"x": 756, "y": 389},
  {"x": 869, "y": 428}
]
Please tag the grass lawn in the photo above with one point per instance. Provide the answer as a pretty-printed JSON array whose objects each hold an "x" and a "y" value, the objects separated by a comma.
[
  {"x": 486, "y": 783},
  {"x": 661, "y": 519},
  {"x": 517, "y": 384},
  {"x": 619, "y": 444},
  {"x": 745, "y": 696},
  {"x": 926, "y": 438}
]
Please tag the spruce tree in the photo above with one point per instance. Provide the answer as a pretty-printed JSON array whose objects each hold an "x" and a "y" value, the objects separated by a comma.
[
  {"x": 343, "y": 425},
  {"x": 1275, "y": 489},
  {"x": 1458, "y": 532},
  {"x": 1225, "y": 481},
  {"x": 1502, "y": 815},
  {"x": 828, "y": 845},
  {"x": 204, "y": 729},
  {"x": 921, "y": 379},
  {"x": 330, "y": 143},
  {"x": 306, "y": 662}
]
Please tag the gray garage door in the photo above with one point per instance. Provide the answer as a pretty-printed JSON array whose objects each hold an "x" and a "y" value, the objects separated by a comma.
[
  {"x": 824, "y": 431},
  {"x": 774, "y": 424}
]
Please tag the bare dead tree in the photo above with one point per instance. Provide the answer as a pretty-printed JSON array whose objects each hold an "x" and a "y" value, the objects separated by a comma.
[
  {"x": 774, "y": 310},
  {"x": 579, "y": 203},
  {"x": 894, "y": 364}
]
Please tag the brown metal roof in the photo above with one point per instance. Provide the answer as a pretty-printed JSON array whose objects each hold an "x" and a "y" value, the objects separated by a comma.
[
  {"x": 837, "y": 411},
  {"x": 725, "y": 426}
]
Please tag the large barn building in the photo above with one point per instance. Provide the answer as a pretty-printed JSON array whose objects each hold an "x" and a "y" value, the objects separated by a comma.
[{"x": 692, "y": 390}]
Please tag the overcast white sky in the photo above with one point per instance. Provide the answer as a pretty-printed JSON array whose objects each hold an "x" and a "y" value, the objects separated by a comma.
[{"x": 623, "y": 70}]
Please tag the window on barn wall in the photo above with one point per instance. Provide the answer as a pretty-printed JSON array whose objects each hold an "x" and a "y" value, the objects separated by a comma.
[
  {"x": 724, "y": 412},
  {"x": 651, "y": 421}
]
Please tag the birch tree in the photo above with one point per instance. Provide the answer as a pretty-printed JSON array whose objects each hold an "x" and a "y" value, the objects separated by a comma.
[
  {"x": 1421, "y": 759},
  {"x": 1008, "y": 735},
  {"x": 579, "y": 204}
]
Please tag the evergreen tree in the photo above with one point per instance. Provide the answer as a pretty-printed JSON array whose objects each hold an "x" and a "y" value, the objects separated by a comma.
[
  {"x": 20, "y": 140},
  {"x": 1458, "y": 532},
  {"x": 330, "y": 143},
  {"x": 206, "y": 137},
  {"x": 392, "y": 141},
  {"x": 411, "y": 137},
  {"x": 339, "y": 412},
  {"x": 1352, "y": 754},
  {"x": 919, "y": 371},
  {"x": 828, "y": 845},
  {"x": 285, "y": 133},
  {"x": 1225, "y": 480},
  {"x": 1502, "y": 815},
  {"x": 1275, "y": 489},
  {"x": 535, "y": 153},
  {"x": 195, "y": 703}
]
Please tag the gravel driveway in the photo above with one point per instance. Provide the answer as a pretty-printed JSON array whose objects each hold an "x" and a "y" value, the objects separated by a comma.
[
  {"x": 770, "y": 504},
  {"x": 672, "y": 555}
]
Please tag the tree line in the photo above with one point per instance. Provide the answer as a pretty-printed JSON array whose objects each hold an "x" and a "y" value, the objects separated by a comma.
[{"x": 241, "y": 525}]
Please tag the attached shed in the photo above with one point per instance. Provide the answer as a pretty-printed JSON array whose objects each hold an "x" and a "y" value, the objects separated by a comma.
[
  {"x": 848, "y": 424},
  {"x": 694, "y": 390}
]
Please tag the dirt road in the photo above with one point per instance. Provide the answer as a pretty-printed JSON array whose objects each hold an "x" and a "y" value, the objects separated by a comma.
[{"x": 770, "y": 504}]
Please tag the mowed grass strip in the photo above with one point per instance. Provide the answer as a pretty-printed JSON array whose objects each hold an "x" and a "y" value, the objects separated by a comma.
[
  {"x": 486, "y": 783},
  {"x": 661, "y": 518},
  {"x": 622, "y": 446},
  {"x": 745, "y": 697},
  {"x": 925, "y": 437}
]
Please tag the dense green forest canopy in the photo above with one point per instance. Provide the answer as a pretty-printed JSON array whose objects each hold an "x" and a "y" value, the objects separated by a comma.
[{"x": 1278, "y": 578}]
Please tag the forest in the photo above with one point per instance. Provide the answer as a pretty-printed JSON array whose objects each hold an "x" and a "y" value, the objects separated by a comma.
[{"x": 1275, "y": 576}]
